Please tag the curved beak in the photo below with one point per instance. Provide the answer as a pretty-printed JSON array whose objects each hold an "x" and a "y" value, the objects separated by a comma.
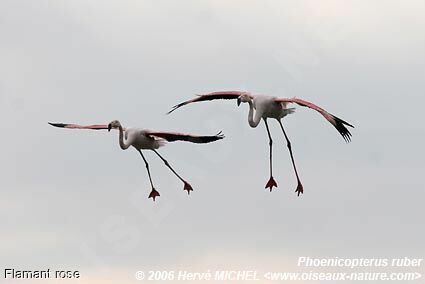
[
  {"x": 239, "y": 101},
  {"x": 109, "y": 127}
]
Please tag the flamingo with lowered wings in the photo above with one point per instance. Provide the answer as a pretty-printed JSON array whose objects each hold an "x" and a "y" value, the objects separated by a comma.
[
  {"x": 143, "y": 139},
  {"x": 272, "y": 107}
]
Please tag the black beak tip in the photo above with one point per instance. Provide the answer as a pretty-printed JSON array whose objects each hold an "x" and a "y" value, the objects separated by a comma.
[{"x": 109, "y": 127}]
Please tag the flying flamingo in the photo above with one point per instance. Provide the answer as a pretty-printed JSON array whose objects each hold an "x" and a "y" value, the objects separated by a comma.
[
  {"x": 143, "y": 139},
  {"x": 271, "y": 107}
]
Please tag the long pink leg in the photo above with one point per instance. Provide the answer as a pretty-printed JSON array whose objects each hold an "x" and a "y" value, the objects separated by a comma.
[
  {"x": 187, "y": 186},
  {"x": 271, "y": 181},
  {"x": 299, "y": 186},
  {"x": 153, "y": 193}
]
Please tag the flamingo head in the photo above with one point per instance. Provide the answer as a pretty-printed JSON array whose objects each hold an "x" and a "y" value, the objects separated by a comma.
[
  {"x": 114, "y": 125},
  {"x": 243, "y": 99}
]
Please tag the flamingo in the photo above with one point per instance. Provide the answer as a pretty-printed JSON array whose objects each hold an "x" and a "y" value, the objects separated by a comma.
[
  {"x": 143, "y": 139},
  {"x": 272, "y": 107}
]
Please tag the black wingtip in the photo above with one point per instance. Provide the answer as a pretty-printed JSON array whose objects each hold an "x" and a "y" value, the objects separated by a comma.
[
  {"x": 220, "y": 135},
  {"x": 57, "y": 124},
  {"x": 209, "y": 139},
  {"x": 344, "y": 122},
  {"x": 340, "y": 126},
  {"x": 175, "y": 107},
  {"x": 170, "y": 111}
]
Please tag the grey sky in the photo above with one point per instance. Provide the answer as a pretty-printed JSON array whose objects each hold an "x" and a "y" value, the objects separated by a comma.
[{"x": 73, "y": 199}]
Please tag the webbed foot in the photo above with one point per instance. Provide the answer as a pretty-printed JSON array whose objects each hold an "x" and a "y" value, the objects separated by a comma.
[
  {"x": 187, "y": 187},
  {"x": 154, "y": 194},
  {"x": 271, "y": 183},
  {"x": 300, "y": 188}
]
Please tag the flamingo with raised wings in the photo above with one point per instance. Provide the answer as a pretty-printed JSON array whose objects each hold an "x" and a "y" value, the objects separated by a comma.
[
  {"x": 143, "y": 139},
  {"x": 272, "y": 107}
]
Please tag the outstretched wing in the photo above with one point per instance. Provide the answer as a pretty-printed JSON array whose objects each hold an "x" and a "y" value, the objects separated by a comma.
[
  {"x": 76, "y": 126},
  {"x": 174, "y": 136},
  {"x": 223, "y": 95},
  {"x": 338, "y": 123}
]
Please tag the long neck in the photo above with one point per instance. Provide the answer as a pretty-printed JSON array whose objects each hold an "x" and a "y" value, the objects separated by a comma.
[
  {"x": 253, "y": 122},
  {"x": 123, "y": 145}
]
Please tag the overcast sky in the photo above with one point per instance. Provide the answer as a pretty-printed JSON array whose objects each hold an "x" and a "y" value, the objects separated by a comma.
[{"x": 73, "y": 199}]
